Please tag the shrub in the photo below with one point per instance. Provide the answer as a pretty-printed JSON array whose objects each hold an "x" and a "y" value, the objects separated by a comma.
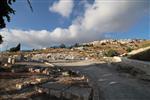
[
  {"x": 129, "y": 49},
  {"x": 62, "y": 45},
  {"x": 111, "y": 53}
]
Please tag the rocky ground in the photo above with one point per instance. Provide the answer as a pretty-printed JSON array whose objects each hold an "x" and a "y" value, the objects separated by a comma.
[
  {"x": 43, "y": 81},
  {"x": 79, "y": 73},
  {"x": 85, "y": 80}
]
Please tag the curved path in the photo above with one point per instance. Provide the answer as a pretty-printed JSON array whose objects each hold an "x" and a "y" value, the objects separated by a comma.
[{"x": 111, "y": 85}]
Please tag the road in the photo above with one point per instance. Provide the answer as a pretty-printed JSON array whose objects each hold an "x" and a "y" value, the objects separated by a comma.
[{"x": 109, "y": 84}]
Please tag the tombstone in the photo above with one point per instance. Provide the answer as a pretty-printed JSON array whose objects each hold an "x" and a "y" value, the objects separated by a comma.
[{"x": 11, "y": 60}]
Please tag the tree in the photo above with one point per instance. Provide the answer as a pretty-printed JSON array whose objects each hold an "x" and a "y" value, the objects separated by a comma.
[
  {"x": 1, "y": 39},
  {"x": 62, "y": 45},
  {"x": 15, "y": 49},
  {"x": 76, "y": 45},
  {"x": 6, "y": 11}
]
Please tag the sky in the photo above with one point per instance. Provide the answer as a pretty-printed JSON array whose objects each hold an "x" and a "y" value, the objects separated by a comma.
[{"x": 53, "y": 22}]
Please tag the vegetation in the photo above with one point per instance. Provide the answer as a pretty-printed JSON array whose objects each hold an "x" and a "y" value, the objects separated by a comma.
[
  {"x": 145, "y": 44},
  {"x": 1, "y": 39},
  {"x": 111, "y": 53},
  {"x": 76, "y": 45},
  {"x": 15, "y": 49},
  {"x": 129, "y": 49},
  {"x": 62, "y": 45},
  {"x": 5, "y": 11}
]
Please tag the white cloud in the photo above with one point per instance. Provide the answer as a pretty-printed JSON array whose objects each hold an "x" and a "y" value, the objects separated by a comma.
[
  {"x": 63, "y": 7},
  {"x": 99, "y": 18},
  {"x": 112, "y": 15},
  {"x": 29, "y": 39}
]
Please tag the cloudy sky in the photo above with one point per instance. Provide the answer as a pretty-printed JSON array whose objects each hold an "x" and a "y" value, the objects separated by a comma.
[{"x": 69, "y": 21}]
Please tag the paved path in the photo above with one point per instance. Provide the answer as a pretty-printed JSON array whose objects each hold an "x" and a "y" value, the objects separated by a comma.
[{"x": 112, "y": 85}]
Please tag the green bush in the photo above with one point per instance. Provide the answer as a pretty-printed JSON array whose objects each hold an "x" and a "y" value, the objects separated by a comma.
[
  {"x": 111, "y": 53},
  {"x": 129, "y": 49}
]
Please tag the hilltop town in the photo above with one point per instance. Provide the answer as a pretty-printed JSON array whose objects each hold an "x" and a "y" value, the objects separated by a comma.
[{"x": 81, "y": 51}]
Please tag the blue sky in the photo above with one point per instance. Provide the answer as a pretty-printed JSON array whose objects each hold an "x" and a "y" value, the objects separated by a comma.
[
  {"x": 41, "y": 18},
  {"x": 69, "y": 21}
]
